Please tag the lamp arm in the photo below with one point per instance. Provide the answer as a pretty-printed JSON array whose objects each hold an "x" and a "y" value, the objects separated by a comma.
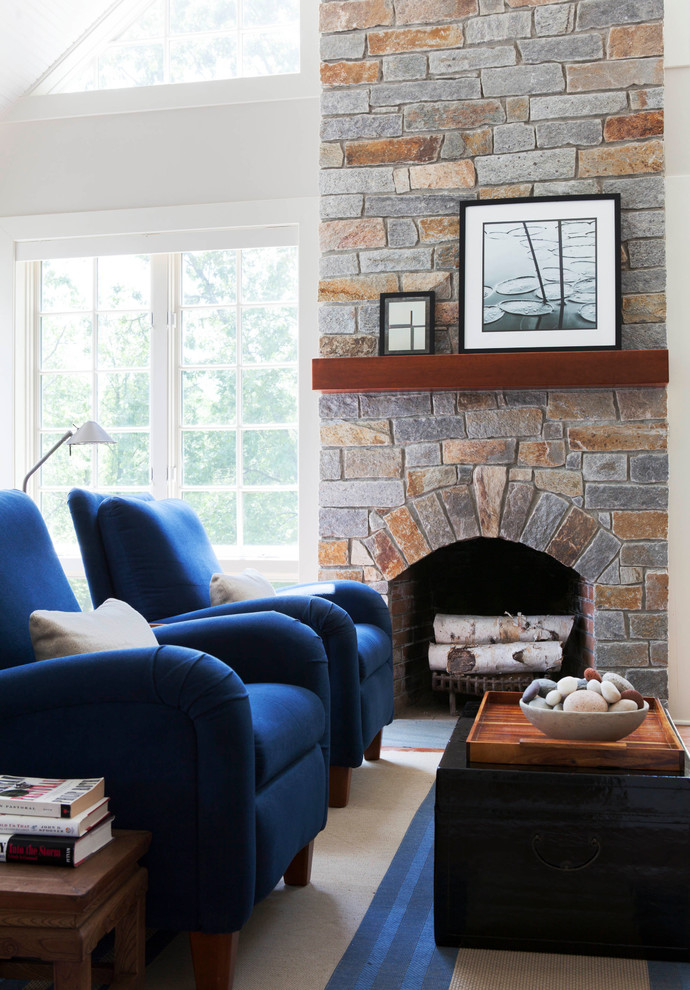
[{"x": 45, "y": 457}]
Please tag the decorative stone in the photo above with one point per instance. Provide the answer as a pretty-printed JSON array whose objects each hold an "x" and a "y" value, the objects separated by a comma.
[
  {"x": 567, "y": 685},
  {"x": 584, "y": 701},
  {"x": 592, "y": 675},
  {"x": 545, "y": 684},
  {"x": 610, "y": 692},
  {"x": 594, "y": 686},
  {"x": 553, "y": 698},
  {"x": 538, "y": 702},
  {"x": 530, "y": 692},
  {"x": 618, "y": 681},
  {"x": 633, "y": 695},
  {"x": 624, "y": 705}
]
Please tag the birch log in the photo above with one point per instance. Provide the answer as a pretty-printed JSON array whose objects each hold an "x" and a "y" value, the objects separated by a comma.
[
  {"x": 469, "y": 630},
  {"x": 495, "y": 658}
]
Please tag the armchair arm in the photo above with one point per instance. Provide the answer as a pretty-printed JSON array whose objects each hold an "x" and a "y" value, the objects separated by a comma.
[
  {"x": 362, "y": 603},
  {"x": 170, "y": 729},
  {"x": 331, "y": 624}
]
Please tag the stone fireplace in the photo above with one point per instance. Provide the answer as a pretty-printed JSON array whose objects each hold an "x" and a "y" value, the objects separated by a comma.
[
  {"x": 433, "y": 492},
  {"x": 424, "y": 495}
]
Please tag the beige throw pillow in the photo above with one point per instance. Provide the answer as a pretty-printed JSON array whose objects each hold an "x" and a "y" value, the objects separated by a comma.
[
  {"x": 227, "y": 588},
  {"x": 114, "y": 625}
]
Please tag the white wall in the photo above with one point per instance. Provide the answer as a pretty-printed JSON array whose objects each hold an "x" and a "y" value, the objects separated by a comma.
[
  {"x": 677, "y": 38},
  {"x": 160, "y": 158}
]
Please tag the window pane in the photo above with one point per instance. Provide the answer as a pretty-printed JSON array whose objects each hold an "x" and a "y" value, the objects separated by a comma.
[
  {"x": 269, "y": 396},
  {"x": 269, "y": 334},
  {"x": 126, "y": 462},
  {"x": 65, "y": 342},
  {"x": 83, "y": 80},
  {"x": 209, "y": 458},
  {"x": 123, "y": 399},
  {"x": 68, "y": 465},
  {"x": 56, "y": 514},
  {"x": 269, "y": 457},
  {"x": 208, "y": 398},
  {"x": 218, "y": 513},
  {"x": 257, "y": 13},
  {"x": 270, "y": 518},
  {"x": 208, "y": 337},
  {"x": 66, "y": 284},
  {"x": 80, "y": 587},
  {"x": 209, "y": 277},
  {"x": 188, "y": 16},
  {"x": 149, "y": 25},
  {"x": 195, "y": 60},
  {"x": 269, "y": 274},
  {"x": 270, "y": 53},
  {"x": 65, "y": 399},
  {"x": 124, "y": 340},
  {"x": 124, "y": 282},
  {"x": 130, "y": 65}
]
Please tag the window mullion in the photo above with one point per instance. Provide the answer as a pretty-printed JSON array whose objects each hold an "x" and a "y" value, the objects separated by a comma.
[
  {"x": 239, "y": 432},
  {"x": 161, "y": 347}
]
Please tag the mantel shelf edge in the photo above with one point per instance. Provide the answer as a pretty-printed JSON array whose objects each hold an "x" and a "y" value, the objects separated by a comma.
[{"x": 497, "y": 370}]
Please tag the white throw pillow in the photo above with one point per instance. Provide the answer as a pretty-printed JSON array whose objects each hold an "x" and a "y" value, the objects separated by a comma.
[
  {"x": 114, "y": 625},
  {"x": 227, "y": 588}
]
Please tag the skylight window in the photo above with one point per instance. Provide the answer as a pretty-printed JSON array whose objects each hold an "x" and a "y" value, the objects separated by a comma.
[{"x": 186, "y": 41}]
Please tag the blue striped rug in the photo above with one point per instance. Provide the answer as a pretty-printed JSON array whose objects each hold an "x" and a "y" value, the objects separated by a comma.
[{"x": 394, "y": 947}]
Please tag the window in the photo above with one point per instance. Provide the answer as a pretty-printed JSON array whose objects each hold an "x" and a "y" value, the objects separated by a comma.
[
  {"x": 183, "y": 41},
  {"x": 223, "y": 327}
]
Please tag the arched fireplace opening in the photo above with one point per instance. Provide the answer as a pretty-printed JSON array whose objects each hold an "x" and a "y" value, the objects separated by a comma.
[{"x": 482, "y": 576}]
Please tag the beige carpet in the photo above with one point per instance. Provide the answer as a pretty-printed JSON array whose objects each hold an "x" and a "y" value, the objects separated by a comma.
[
  {"x": 295, "y": 938},
  {"x": 478, "y": 969}
]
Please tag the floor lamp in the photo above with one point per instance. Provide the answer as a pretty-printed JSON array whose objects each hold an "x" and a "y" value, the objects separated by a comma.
[{"x": 89, "y": 432}]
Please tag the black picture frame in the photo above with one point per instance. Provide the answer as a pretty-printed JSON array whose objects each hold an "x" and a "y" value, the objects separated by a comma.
[
  {"x": 540, "y": 274},
  {"x": 406, "y": 324}
]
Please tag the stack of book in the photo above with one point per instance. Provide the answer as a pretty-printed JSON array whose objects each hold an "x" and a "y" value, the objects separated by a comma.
[{"x": 50, "y": 821}]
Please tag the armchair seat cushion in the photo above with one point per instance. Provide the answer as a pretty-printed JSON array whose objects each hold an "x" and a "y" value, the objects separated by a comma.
[
  {"x": 288, "y": 722},
  {"x": 373, "y": 648}
]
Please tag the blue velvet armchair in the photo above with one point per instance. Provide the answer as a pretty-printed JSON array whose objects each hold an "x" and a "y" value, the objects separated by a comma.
[
  {"x": 216, "y": 741},
  {"x": 156, "y": 555}
]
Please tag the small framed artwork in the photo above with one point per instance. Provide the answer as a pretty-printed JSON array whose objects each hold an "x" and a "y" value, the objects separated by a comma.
[
  {"x": 407, "y": 323},
  {"x": 540, "y": 274}
]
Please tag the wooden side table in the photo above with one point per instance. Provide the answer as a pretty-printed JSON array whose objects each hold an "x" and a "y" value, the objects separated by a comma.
[{"x": 57, "y": 915}]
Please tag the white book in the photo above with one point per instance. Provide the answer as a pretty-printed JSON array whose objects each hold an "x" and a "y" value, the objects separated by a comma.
[
  {"x": 49, "y": 797},
  {"x": 39, "y": 825}
]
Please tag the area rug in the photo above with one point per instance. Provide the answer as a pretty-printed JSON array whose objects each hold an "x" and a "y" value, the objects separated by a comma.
[{"x": 394, "y": 947}]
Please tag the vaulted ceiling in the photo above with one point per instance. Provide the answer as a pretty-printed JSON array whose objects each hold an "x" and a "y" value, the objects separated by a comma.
[{"x": 35, "y": 34}]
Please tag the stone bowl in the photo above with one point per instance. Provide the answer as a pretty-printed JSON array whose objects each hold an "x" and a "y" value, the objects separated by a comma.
[{"x": 585, "y": 726}]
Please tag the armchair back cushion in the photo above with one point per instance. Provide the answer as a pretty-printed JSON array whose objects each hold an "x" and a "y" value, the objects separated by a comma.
[
  {"x": 31, "y": 577},
  {"x": 161, "y": 560},
  {"x": 83, "y": 507}
]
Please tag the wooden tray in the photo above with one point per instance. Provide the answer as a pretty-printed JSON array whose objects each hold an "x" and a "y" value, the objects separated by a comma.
[{"x": 501, "y": 734}]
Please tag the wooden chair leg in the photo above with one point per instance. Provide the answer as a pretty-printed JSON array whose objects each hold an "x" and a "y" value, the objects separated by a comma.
[
  {"x": 339, "y": 779},
  {"x": 298, "y": 873},
  {"x": 373, "y": 750},
  {"x": 213, "y": 958}
]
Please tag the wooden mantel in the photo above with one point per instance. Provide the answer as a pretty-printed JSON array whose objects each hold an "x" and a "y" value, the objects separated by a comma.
[{"x": 498, "y": 370}]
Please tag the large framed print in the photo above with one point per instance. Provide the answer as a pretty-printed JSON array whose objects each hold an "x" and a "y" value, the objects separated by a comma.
[{"x": 540, "y": 274}]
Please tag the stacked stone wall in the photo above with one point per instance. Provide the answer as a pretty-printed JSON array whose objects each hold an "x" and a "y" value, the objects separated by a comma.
[
  {"x": 429, "y": 102},
  {"x": 426, "y": 102}
]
